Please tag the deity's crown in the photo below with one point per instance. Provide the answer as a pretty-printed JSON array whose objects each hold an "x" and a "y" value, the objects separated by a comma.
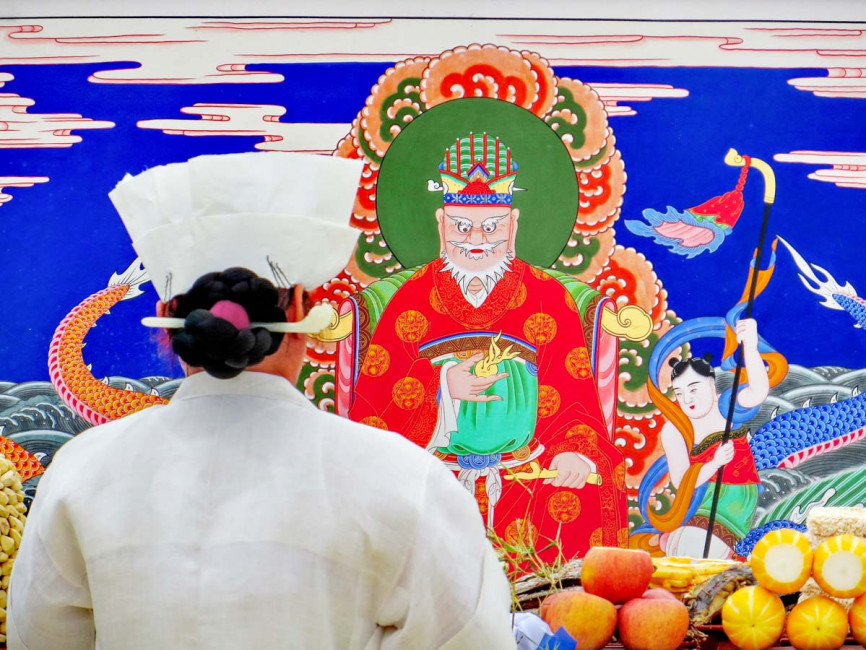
[{"x": 478, "y": 170}]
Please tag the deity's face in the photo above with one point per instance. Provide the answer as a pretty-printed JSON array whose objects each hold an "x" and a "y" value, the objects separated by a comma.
[
  {"x": 695, "y": 393},
  {"x": 477, "y": 238}
]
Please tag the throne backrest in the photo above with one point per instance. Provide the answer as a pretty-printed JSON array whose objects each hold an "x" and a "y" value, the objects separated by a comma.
[{"x": 367, "y": 306}]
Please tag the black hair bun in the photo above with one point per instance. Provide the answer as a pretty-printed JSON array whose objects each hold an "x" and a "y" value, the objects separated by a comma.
[
  {"x": 213, "y": 343},
  {"x": 701, "y": 365}
]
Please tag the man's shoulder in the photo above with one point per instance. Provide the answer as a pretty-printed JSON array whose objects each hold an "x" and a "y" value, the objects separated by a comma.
[
  {"x": 90, "y": 447},
  {"x": 391, "y": 447}
]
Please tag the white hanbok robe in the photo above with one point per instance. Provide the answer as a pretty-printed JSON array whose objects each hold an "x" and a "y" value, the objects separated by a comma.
[{"x": 240, "y": 516}]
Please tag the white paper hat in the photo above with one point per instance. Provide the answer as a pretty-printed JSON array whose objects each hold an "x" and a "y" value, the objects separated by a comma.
[{"x": 284, "y": 216}]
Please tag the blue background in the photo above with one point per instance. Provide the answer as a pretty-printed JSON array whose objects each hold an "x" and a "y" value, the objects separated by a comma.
[{"x": 60, "y": 241}]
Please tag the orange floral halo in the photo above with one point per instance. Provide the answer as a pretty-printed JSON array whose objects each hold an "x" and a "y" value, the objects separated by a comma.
[{"x": 480, "y": 70}]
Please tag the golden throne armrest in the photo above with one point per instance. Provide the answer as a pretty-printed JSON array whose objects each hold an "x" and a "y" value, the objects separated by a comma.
[
  {"x": 339, "y": 329},
  {"x": 628, "y": 322}
]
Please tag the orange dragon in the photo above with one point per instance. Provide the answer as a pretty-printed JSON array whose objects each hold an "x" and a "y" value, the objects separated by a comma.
[{"x": 92, "y": 399}]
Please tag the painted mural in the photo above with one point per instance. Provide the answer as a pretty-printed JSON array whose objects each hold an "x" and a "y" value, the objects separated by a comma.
[{"x": 571, "y": 235}]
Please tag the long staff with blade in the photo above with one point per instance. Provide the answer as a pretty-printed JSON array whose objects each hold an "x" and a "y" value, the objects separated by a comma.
[{"x": 734, "y": 159}]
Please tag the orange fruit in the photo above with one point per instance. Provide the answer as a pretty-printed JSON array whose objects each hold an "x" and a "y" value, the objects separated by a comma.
[
  {"x": 753, "y": 618},
  {"x": 857, "y": 619},
  {"x": 782, "y": 560},
  {"x": 817, "y": 623},
  {"x": 839, "y": 566}
]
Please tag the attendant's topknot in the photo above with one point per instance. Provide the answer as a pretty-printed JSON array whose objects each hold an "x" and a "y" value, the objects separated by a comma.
[
  {"x": 216, "y": 344},
  {"x": 701, "y": 365}
]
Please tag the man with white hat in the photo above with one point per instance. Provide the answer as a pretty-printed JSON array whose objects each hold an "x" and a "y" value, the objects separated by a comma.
[{"x": 239, "y": 516}]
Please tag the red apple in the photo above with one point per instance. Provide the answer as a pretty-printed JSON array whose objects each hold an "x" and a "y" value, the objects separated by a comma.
[
  {"x": 589, "y": 619},
  {"x": 617, "y": 574},
  {"x": 653, "y": 624},
  {"x": 658, "y": 592},
  {"x": 547, "y": 602}
]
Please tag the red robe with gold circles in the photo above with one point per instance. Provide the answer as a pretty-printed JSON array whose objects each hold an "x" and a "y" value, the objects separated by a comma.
[{"x": 398, "y": 384}]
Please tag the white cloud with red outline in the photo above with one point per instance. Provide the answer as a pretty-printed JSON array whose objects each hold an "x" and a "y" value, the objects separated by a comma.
[
  {"x": 839, "y": 82},
  {"x": 612, "y": 94},
  {"x": 22, "y": 130},
  {"x": 17, "y": 181},
  {"x": 848, "y": 169},
  {"x": 256, "y": 120},
  {"x": 196, "y": 51}
]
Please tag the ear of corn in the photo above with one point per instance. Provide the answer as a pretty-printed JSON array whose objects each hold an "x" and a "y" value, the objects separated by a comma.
[{"x": 782, "y": 560}]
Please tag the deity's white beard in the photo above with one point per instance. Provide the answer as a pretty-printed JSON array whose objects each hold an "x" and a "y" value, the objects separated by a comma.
[{"x": 488, "y": 277}]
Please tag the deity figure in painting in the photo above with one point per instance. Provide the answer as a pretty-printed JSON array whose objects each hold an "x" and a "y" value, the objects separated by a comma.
[
  {"x": 694, "y": 452},
  {"x": 482, "y": 359}
]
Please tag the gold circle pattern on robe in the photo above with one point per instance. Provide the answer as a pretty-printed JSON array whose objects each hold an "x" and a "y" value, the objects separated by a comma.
[
  {"x": 436, "y": 302},
  {"x": 375, "y": 421},
  {"x": 577, "y": 363},
  {"x": 411, "y": 326},
  {"x": 519, "y": 297},
  {"x": 584, "y": 438},
  {"x": 408, "y": 393},
  {"x": 521, "y": 532},
  {"x": 548, "y": 401},
  {"x": 564, "y": 506},
  {"x": 539, "y": 329},
  {"x": 376, "y": 362},
  {"x": 619, "y": 476}
]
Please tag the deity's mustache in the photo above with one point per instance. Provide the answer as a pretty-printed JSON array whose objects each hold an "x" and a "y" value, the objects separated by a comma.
[
  {"x": 488, "y": 276},
  {"x": 476, "y": 251}
]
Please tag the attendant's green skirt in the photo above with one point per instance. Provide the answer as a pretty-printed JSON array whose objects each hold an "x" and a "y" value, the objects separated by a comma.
[{"x": 736, "y": 506}]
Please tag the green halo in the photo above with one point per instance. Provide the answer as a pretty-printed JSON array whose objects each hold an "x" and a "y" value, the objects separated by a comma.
[{"x": 406, "y": 208}]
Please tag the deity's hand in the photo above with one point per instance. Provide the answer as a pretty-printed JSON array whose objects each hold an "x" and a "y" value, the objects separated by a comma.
[
  {"x": 573, "y": 470},
  {"x": 747, "y": 333},
  {"x": 724, "y": 454},
  {"x": 465, "y": 386}
]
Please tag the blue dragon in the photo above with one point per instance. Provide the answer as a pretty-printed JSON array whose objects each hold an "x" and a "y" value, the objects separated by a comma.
[{"x": 790, "y": 438}]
